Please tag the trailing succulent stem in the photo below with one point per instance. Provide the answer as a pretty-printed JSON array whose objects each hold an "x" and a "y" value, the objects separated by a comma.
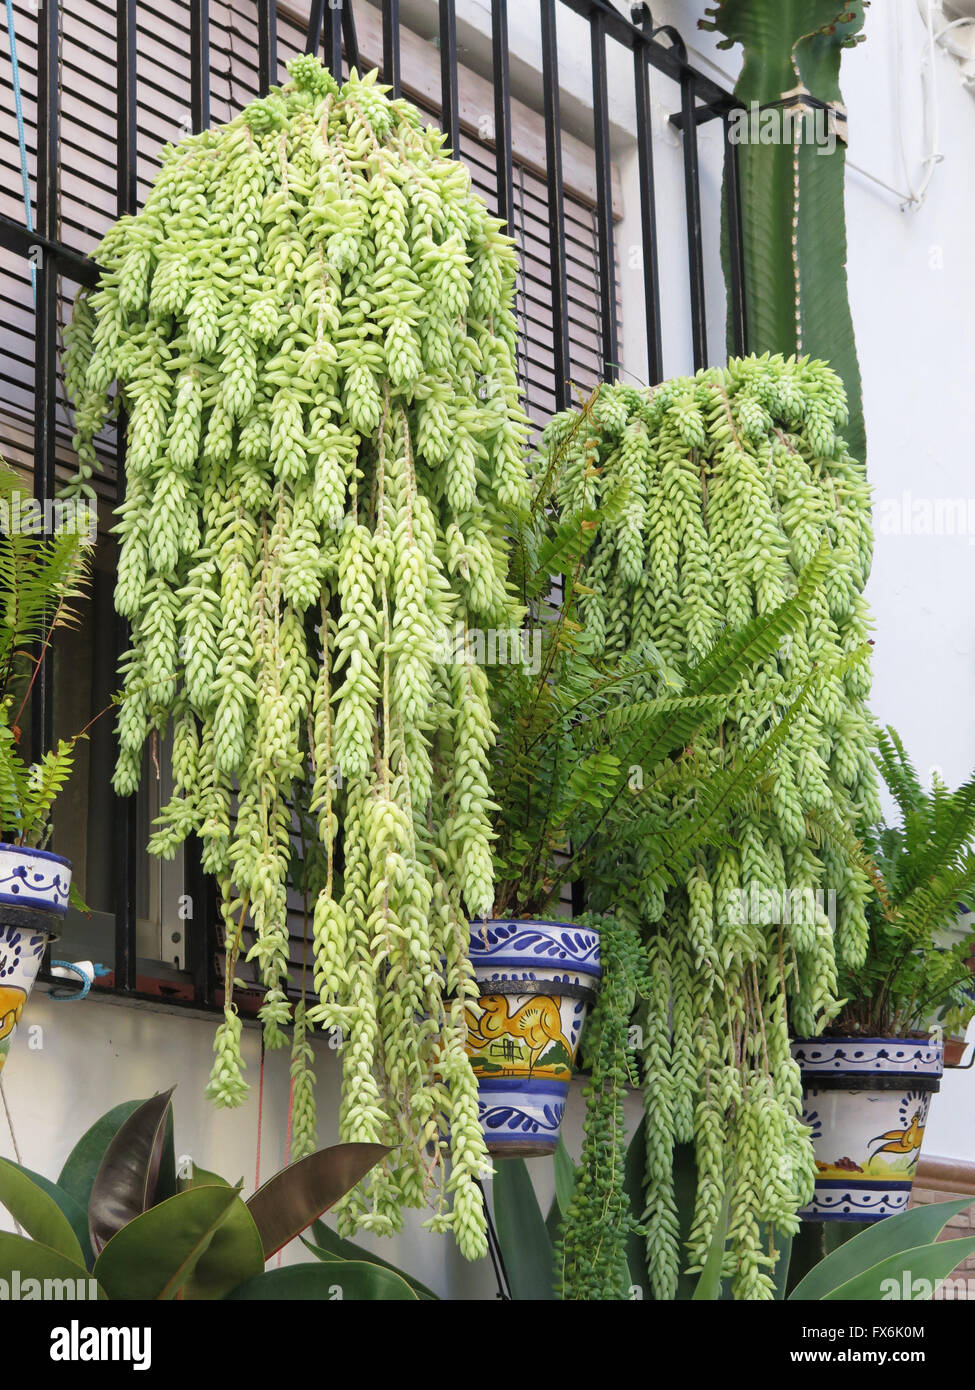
[
  {"x": 733, "y": 496},
  {"x": 590, "y": 1255},
  {"x": 311, "y": 325}
]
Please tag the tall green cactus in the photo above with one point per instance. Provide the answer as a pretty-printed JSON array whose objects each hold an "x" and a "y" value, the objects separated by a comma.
[{"x": 792, "y": 194}]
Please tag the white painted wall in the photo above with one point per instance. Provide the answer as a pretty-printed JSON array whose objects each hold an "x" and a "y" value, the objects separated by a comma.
[
  {"x": 911, "y": 283},
  {"x": 70, "y": 1063}
]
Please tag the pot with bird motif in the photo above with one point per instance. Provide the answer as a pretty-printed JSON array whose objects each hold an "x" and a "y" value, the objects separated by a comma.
[
  {"x": 537, "y": 980},
  {"x": 866, "y": 1101},
  {"x": 33, "y": 901}
]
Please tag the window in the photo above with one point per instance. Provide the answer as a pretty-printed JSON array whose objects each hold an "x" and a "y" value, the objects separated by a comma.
[{"x": 87, "y": 204}]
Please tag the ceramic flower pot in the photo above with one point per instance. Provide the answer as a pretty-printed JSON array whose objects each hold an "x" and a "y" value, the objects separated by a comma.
[
  {"x": 33, "y": 900},
  {"x": 537, "y": 980},
  {"x": 866, "y": 1101}
]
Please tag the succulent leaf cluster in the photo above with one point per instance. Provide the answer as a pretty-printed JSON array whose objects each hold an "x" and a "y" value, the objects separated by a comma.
[
  {"x": 724, "y": 488},
  {"x": 310, "y": 324}
]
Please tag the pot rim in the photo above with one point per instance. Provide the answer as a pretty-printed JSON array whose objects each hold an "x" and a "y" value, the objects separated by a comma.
[
  {"x": 533, "y": 922},
  {"x": 857, "y": 1038},
  {"x": 36, "y": 853}
]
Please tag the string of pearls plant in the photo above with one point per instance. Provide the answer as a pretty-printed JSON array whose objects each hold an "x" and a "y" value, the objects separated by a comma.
[
  {"x": 311, "y": 325},
  {"x": 731, "y": 480}
]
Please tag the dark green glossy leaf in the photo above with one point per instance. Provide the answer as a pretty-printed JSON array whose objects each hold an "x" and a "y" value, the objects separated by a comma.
[
  {"x": 85, "y": 1158},
  {"x": 153, "y": 1256},
  {"x": 38, "y": 1212},
  {"x": 128, "y": 1175},
  {"x": 202, "y": 1177},
  {"x": 77, "y": 1217},
  {"x": 234, "y": 1254},
  {"x": 31, "y": 1260},
  {"x": 166, "y": 1184},
  {"x": 290, "y": 1201},
  {"x": 328, "y": 1244},
  {"x": 332, "y": 1281}
]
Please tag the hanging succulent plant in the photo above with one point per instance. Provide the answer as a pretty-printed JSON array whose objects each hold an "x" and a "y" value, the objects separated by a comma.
[
  {"x": 725, "y": 487},
  {"x": 310, "y": 323}
]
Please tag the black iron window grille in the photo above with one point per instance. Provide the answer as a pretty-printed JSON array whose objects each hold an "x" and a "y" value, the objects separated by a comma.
[{"x": 567, "y": 245}]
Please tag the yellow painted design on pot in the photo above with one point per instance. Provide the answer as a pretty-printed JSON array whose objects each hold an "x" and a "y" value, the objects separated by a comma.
[
  {"x": 12, "y": 1000},
  {"x": 529, "y": 1042}
]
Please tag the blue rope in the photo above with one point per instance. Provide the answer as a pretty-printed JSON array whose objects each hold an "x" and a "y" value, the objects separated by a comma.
[
  {"x": 19, "y": 103},
  {"x": 82, "y": 975}
]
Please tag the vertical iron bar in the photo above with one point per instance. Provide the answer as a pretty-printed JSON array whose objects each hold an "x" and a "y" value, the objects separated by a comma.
[
  {"x": 333, "y": 38},
  {"x": 125, "y": 894},
  {"x": 604, "y": 197},
  {"x": 313, "y": 38},
  {"x": 391, "y": 72},
  {"x": 201, "y": 940},
  {"x": 350, "y": 37},
  {"x": 267, "y": 45},
  {"x": 449, "y": 102},
  {"x": 48, "y": 117},
  {"x": 46, "y": 323},
  {"x": 502, "y": 108},
  {"x": 648, "y": 217},
  {"x": 692, "y": 196},
  {"x": 126, "y": 808},
  {"x": 200, "y": 64},
  {"x": 736, "y": 243},
  {"x": 45, "y": 482},
  {"x": 126, "y": 108},
  {"x": 556, "y": 204}
]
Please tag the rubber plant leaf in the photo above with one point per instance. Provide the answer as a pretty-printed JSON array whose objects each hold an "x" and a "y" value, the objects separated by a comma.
[
  {"x": 37, "y": 1212},
  {"x": 202, "y": 1177},
  {"x": 126, "y": 1183},
  {"x": 525, "y": 1243},
  {"x": 76, "y": 1215},
  {"x": 84, "y": 1160},
  {"x": 29, "y": 1259},
  {"x": 892, "y": 1236},
  {"x": 235, "y": 1253},
  {"x": 324, "y": 1282},
  {"x": 154, "y": 1255},
  {"x": 290, "y": 1201},
  {"x": 329, "y": 1245}
]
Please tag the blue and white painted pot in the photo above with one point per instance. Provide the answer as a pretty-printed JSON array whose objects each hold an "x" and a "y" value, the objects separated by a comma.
[
  {"x": 537, "y": 980},
  {"x": 33, "y": 900},
  {"x": 34, "y": 878},
  {"x": 866, "y": 1101}
]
